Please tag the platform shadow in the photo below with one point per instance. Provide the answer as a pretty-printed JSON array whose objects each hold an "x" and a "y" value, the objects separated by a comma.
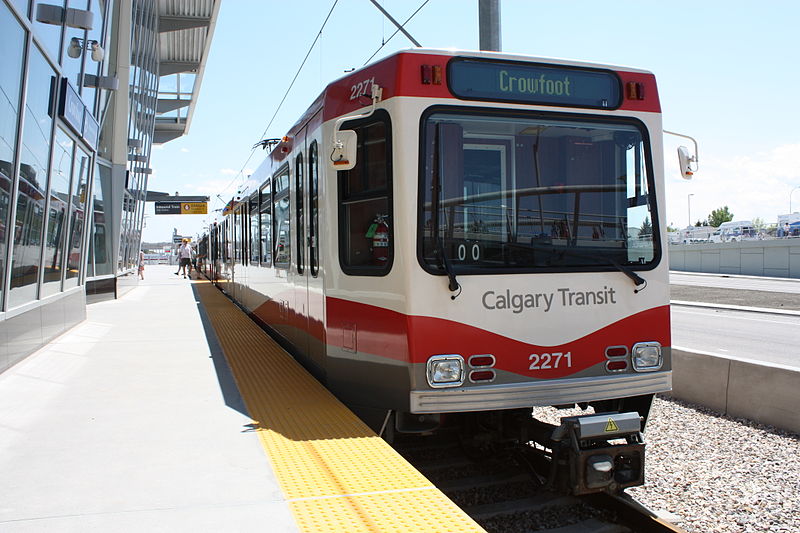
[{"x": 227, "y": 384}]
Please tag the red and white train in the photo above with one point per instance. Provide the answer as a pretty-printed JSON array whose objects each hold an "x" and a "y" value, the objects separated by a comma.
[{"x": 460, "y": 236}]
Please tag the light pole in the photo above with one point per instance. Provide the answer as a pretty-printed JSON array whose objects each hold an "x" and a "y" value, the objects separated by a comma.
[
  {"x": 790, "y": 198},
  {"x": 689, "y": 201}
]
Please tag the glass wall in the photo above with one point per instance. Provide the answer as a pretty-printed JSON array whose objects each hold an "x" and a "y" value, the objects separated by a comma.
[
  {"x": 34, "y": 166},
  {"x": 143, "y": 91},
  {"x": 12, "y": 42},
  {"x": 44, "y": 187},
  {"x": 77, "y": 216},
  {"x": 57, "y": 213},
  {"x": 49, "y": 35},
  {"x": 100, "y": 246}
]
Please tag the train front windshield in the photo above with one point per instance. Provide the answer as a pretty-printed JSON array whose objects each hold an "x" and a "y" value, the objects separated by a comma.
[{"x": 522, "y": 193}]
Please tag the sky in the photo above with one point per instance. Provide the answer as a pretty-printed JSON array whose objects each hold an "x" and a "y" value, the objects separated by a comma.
[{"x": 726, "y": 70}]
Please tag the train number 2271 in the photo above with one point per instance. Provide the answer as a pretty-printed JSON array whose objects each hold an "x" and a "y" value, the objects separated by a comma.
[
  {"x": 548, "y": 361},
  {"x": 362, "y": 88}
]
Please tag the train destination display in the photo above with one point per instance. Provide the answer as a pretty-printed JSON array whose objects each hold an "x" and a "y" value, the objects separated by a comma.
[{"x": 507, "y": 81}]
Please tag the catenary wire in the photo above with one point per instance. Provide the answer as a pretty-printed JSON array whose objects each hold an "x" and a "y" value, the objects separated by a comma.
[
  {"x": 310, "y": 49},
  {"x": 396, "y": 32}
]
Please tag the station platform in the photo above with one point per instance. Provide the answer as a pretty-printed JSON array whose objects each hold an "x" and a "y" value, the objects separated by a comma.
[{"x": 170, "y": 410}]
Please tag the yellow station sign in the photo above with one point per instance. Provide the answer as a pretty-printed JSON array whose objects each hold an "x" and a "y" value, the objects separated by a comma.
[{"x": 194, "y": 208}]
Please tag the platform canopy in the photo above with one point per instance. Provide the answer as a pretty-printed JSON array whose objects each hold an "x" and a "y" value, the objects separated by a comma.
[{"x": 185, "y": 31}]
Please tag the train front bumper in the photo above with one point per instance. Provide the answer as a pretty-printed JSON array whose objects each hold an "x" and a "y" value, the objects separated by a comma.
[{"x": 538, "y": 393}]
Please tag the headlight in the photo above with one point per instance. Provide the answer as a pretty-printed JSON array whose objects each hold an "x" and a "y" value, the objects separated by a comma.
[
  {"x": 445, "y": 370},
  {"x": 646, "y": 356}
]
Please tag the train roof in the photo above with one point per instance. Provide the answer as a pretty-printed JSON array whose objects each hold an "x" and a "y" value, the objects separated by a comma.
[{"x": 395, "y": 76}]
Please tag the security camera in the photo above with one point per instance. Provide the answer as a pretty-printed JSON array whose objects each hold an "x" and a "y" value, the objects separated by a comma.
[
  {"x": 97, "y": 52},
  {"x": 74, "y": 49}
]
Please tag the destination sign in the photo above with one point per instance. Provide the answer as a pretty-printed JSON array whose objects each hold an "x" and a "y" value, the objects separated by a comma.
[
  {"x": 194, "y": 208},
  {"x": 508, "y": 81},
  {"x": 181, "y": 208},
  {"x": 168, "y": 208}
]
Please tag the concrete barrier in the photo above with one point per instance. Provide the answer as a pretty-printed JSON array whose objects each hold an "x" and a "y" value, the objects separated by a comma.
[{"x": 763, "y": 392}]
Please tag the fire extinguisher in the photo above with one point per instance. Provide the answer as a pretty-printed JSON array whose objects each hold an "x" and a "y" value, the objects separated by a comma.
[{"x": 379, "y": 233}]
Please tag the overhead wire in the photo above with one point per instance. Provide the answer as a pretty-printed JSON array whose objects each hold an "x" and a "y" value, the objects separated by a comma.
[
  {"x": 310, "y": 49},
  {"x": 385, "y": 42}
]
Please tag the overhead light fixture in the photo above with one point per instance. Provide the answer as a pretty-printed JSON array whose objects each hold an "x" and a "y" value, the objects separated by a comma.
[
  {"x": 110, "y": 83},
  {"x": 77, "y": 46},
  {"x": 57, "y": 15}
]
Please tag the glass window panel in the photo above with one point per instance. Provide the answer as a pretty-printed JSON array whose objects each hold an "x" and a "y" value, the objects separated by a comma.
[
  {"x": 298, "y": 202},
  {"x": 34, "y": 165},
  {"x": 254, "y": 229},
  {"x": 282, "y": 216},
  {"x": 76, "y": 50},
  {"x": 266, "y": 226},
  {"x": 101, "y": 242},
  {"x": 57, "y": 213},
  {"x": 525, "y": 193},
  {"x": 77, "y": 216},
  {"x": 313, "y": 230},
  {"x": 12, "y": 43},
  {"x": 49, "y": 35},
  {"x": 22, "y": 6},
  {"x": 365, "y": 203}
]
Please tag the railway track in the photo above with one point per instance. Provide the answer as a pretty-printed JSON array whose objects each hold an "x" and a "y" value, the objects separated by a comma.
[{"x": 503, "y": 492}]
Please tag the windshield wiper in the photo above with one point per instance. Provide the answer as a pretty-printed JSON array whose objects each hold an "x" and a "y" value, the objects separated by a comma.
[
  {"x": 634, "y": 277},
  {"x": 444, "y": 262}
]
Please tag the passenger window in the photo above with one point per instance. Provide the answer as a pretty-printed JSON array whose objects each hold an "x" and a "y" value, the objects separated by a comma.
[
  {"x": 365, "y": 216},
  {"x": 298, "y": 190},
  {"x": 254, "y": 229},
  {"x": 313, "y": 230},
  {"x": 281, "y": 212},
  {"x": 266, "y": 225}
]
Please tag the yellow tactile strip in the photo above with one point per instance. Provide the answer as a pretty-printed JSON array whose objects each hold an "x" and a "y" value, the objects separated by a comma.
[{"x": 335, "y": 472}]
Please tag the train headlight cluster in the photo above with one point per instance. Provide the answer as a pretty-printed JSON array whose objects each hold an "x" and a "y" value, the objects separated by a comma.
[
  {"x": 646, "y": 356},
  {"x": 445, "y": 370}
]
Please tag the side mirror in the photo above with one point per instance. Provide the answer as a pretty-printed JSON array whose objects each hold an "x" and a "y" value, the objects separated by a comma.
[
  {"x": 343, "y": 151},
  {"x": 685, "y": 162}
]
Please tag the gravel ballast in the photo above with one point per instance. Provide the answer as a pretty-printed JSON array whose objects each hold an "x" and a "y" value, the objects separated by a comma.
[{"x": 719, "y": 474}]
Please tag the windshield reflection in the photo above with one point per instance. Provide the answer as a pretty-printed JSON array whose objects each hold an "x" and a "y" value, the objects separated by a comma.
[{"x": 524, "y": 193}]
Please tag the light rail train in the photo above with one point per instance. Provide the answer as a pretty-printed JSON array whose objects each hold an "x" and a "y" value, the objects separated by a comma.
[{"x": 451, "y": 238}]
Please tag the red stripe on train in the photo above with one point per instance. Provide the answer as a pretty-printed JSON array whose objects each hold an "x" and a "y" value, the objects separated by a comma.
[{"x": 414, "y": 339}]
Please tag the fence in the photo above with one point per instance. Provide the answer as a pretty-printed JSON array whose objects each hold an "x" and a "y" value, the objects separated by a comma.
[{"x": 778, "y": 258}]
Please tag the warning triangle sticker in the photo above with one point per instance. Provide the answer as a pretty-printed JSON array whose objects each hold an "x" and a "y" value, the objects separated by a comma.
[{"x": 611, "y": 426}]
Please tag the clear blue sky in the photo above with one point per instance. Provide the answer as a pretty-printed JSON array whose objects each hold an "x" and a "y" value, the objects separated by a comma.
[{"x": 727, "y": 74}]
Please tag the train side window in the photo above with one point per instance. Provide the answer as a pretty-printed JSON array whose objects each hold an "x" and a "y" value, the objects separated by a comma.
[
  {"x": 298, "y": 203},
  {"x": 366, "y": 246},
  {"x": 254, "y": 229},
  {"x": 281, "y": 213},
  {"x": 313, "y": 229},
  {"x": 236, "y": 258},
  {"x": 243, "y": 237},
  {"x": 266, "y": 224}
]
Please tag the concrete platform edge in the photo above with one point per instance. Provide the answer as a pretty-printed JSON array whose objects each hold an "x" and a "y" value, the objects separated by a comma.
[{"x": 760, "y": 392}]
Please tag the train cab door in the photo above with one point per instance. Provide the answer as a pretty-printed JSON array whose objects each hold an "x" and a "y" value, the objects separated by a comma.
[
  {"x": 316, "y": 295},
  {"x": 300, "y": 272}
]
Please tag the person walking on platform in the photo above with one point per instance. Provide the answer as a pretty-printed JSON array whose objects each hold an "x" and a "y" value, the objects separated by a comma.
[
  {"x": 141, "y": 264},
  {"x": 184, "y": 257}
]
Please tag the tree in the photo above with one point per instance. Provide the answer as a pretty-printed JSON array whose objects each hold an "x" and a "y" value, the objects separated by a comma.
[
  {"x": 718, "y": 216},
  {"x": 646, "y": 228},
  {"x": 759, "y": 223}
]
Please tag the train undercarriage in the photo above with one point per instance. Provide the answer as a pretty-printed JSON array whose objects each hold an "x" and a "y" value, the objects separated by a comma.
[{"x": 603, "y": 451}]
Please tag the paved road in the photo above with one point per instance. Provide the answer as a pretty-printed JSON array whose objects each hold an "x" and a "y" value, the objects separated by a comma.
[
  {"x": 789, "y": 286},
  {"x": 758, "y": 336},
  {"x": 761, "y": 336},
  {"x": 746, "y": 291}
]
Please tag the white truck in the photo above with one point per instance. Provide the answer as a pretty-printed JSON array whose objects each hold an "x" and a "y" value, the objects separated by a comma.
[{"x": 736, "y": 230}]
